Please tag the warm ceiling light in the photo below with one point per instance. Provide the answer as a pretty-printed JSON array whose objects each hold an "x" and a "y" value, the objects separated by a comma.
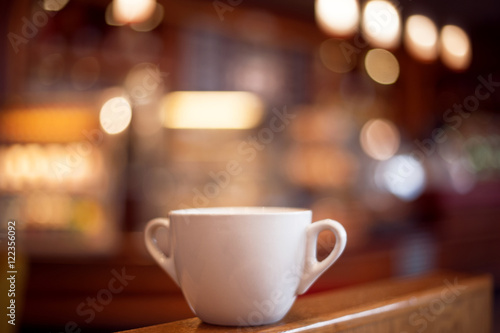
[
  {"x": 379, "y": 139},
  {"x": 115, "y": 115},
  {"x": 381, "y": 24},
  {"x": 133, "y": 11},
  {"x": 337, "y": 17},
  {"x": 421, "y": 38},
  {"x": 455, "y": 48},
  {"x": 382, "y": 66},
  {"x": 212, "y": 109}
]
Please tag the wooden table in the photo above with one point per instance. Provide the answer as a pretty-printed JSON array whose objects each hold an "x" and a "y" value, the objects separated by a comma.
[{"x": 439, "y": 302}]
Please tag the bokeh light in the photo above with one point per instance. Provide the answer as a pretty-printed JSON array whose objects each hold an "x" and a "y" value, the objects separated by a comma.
[
  {"x": 461, "y": 179},
  {"x": 381, "y": 24},
  {"x": 31, "y": 166},
  {"x": 152, "y": 22},
  {"x": 379, "y": 139},
  {"x": 455, "y": 48},
  {"x": 336, "y": 57},
  {"x": 54, "y": 5},
  {"x": 115, "y": 115},
  {"x": 109, "y": 16},
  {"x": 403, "y": 176},
  {"x": 212, "y": 109},
  {"x": 337, "y": 17},
  {"x": 382, "y": 66},
  {"x": 421, "y": 38},
  {"x": 133, "y": 11}
]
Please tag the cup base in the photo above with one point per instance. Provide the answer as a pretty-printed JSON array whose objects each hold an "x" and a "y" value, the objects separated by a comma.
[
  {"x": 249, "y": 321},
  {"x": 240, "y": 322}
]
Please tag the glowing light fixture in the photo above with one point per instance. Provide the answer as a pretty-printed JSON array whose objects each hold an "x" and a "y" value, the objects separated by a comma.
[
  {"x": 337, "y": 17},
  {"x": 421, "y": 38},
  {"x": 133, "y": 11},
  {"x": 403, "y": 176},
  {"x": 382, "y": 66},
  {"x": 381, "y": 24},
  {"x": 455, "y": 47},
  {"x": 115, "y": 115},
  {"x": 379, "y": 139},
  {"x": 212, "y": 109}
]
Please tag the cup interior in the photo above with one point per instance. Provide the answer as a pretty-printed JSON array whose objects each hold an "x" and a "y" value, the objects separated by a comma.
[{"x": 239, "y": 211}]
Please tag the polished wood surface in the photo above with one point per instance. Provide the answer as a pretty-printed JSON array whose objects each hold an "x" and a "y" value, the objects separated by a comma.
[
  {"x": 439, "y": 302},
  {"x": 152, "y": 298}
]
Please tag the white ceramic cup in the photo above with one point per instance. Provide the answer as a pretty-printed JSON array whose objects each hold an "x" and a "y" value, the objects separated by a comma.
[{"x": 242, "y": 266}]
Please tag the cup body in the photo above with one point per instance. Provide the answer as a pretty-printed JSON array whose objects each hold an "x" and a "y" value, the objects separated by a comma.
[
  {"x": 239, "y": 266},
  {"x": 242, "y": 266}
]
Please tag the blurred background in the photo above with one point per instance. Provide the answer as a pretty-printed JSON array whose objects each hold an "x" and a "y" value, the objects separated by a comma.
[{"x": 383, "y": 115}]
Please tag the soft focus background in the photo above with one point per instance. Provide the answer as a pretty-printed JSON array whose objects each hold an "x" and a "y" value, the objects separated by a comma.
[{"x": 381, "y": 115}]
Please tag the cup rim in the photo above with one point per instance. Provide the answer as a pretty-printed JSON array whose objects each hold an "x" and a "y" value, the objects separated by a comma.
[{"x": 239, "y": 210}]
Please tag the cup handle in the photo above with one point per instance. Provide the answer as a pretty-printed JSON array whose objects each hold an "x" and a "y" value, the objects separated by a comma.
[
  {"x": 165, "y": 262},
  {"x": 314, "y": 268}
]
